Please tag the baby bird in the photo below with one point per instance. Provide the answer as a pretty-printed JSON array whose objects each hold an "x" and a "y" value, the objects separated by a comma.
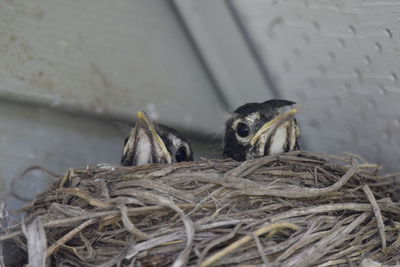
[
  {"x": 260, "y": 129},
  {"x": 149, "y": 142}
]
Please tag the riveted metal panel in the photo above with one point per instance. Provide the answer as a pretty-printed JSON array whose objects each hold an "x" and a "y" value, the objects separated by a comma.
[
  {"x": 37, "y": 136},
  {"x": 102, "y": 57},
  {"x": 225, "y": 52},
  {"x": 101, "y": 61},
  {"x": 340, "y": 61}
]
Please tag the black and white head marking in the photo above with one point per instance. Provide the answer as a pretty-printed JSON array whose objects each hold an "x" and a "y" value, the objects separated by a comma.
[
  {"x": 258, "y": 129},
  {"x": 154, "y": 143}
]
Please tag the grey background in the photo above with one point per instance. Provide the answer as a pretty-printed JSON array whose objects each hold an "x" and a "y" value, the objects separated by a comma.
[
  {"x": 340, "y": 61},
  {"x": 70, "y": 70}
]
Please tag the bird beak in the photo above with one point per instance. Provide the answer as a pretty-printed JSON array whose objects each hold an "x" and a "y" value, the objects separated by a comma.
[
  {"x": 273, "y": 124},
  {"x": 149, "y": 147}
]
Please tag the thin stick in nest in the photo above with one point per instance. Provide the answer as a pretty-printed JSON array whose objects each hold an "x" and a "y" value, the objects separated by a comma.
[{"x": 297, "y": 208}]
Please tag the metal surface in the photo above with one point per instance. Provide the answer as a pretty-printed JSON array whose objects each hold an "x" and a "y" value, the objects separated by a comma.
[
  {"x": 225, "y": 53},
  {"x": 340, "y": 61},
  {"x": 35, "y": 136},
  {"x": 32, "y": 136},
  {"x": 69, "y": 69},
  {"x": 108, "y": 58}
]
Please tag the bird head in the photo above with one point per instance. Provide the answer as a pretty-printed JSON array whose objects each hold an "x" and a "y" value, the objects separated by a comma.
[
  {"x": 259, "y": 129},
  {"x": 149, "y": 142}
]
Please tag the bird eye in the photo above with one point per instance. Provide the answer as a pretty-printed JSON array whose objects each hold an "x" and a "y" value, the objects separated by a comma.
[
  {"x": 180, "y": 154},
  {"x": 242, "y": 129}
]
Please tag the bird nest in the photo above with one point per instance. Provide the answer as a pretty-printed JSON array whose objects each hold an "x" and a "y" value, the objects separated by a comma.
[{"x": 296, "y": 209}]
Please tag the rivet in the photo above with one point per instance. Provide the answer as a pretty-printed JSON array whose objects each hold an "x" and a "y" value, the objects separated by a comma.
[
  {"x": 357, "y": 74},
  {"x": 378, "y": 46},
  {"x": 352, "y": 29},
  {"x": 341, "y": 42},
  {"x": 331, "y": 56},
  {"x": 382, "y": 90},
  {"x": 315, "y": 25},
  {"x": 389, "y": 33},
  {"x": 394, "y": 77},
  {"x": 367, "y": 60}
]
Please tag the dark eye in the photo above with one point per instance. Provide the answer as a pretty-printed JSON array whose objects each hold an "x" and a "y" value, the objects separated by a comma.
[
  {"x": 242, "y": 129},
  {"x": 180, "y": 154}
]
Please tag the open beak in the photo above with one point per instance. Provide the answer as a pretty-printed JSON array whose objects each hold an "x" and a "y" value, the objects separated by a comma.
[
  {"x": 267, "y": 131},
  {"x": 146, "y": 144}
]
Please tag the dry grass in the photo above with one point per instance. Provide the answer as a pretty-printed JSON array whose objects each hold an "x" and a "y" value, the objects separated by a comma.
[{"x": 291, "y": 210}]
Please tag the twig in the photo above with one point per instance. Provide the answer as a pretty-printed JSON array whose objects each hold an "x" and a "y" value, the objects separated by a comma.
[
  {"x": 99, "y": 214},
  {"x": 321, "y": 209},
  {"x": 217, "y": 242},
  {"x": 261, "y": 251},
  {"x": 378, "y": 214},
  {"x": 25, "y": 172},
  {"x": 324, "y": 246},
  {"x": 183, "y": 257},
  {"x": 229, "y": 249},
  {"x": 130, "y": 226},
  {"x": 57, "y": 244},
  {"x": 77, "y": 192},
  {"x": 37, "y": 242},
  {"x": 141, "y": 220},
  {"x": 301, "y": 192}
]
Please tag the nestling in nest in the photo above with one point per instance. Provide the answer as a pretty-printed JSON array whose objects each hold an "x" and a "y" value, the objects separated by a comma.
[{"x": 295, "y": 209}]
